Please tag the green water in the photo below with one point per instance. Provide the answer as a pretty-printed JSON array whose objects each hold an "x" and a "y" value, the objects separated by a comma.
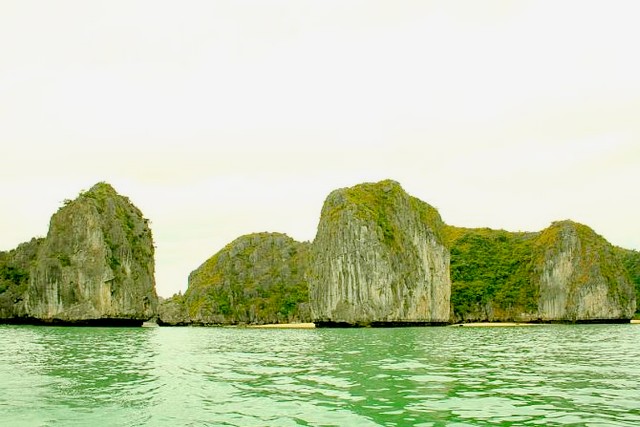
[{"x": 580, "y": 375}]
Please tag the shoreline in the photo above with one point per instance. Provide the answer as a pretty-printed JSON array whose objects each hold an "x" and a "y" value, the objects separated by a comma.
[
  {"x": 494, "y": 324},
  {"x": 283, "y": 326}
]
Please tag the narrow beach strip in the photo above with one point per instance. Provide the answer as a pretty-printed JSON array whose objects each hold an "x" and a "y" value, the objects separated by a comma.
[{"x": 284, "y": 326}]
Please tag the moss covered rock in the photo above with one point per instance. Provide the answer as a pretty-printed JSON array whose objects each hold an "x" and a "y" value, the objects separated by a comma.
[
  {"x": 258, "y": 278},
  {"x": 15, "y": 270},
  {"x": 96, "y": 264},
  {"x": 631, "y": 261},
  {"x": 379, "y": 258},
  {"x": 580, "y": 276},
  {"x": 566, "y": 273}
]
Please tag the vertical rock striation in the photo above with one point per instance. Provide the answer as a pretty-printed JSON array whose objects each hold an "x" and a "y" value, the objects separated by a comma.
[
  {"x": 580, "y": 276},
  {"x": 378, "y": 258},
  {"x": 96, "y": 265}
]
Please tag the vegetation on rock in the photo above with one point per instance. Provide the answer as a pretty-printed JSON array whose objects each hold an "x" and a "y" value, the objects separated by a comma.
[
  {"x": 491, "y": 274},
  {"x": 258, "y": 278},
  {"x": 378, "y": 257},
  {"x": 95, "y": 265},
  {"x": 567, "y": 272}
]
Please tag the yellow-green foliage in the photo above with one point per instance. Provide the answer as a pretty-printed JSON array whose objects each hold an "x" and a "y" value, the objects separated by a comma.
[
  {"x": 378, "y": 203},
  {"x": 258, "y": 278},
  {"x": 631, "y": 261},
  {"x": 490, "y": 266},
  {"x": 15, "y": 266}
]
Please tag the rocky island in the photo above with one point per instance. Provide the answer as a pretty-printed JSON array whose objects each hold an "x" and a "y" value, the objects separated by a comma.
[
  {"x": 381, "y": 257},
  {"x": 94, "y": 267},
  {"x": 384, "y": 258},
  {"x": 256, "y": 279},
  {"x": 565, "y": 273}
]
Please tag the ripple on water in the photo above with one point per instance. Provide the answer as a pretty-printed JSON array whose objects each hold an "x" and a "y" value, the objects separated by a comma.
[{"x": 549, "y": 375}]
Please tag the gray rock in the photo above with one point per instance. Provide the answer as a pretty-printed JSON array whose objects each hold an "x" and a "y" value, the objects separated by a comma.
[
  {"x": 378, "y": 258},
  {"x": 96, "y": 263},
  {"x": 581, "y": 277}
]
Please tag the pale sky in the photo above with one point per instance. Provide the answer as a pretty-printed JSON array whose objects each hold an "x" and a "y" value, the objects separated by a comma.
[{"x": 222, "y": 118}]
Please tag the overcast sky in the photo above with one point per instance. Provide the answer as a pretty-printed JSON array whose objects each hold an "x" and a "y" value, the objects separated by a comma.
[{"x": 221, "y": 118}]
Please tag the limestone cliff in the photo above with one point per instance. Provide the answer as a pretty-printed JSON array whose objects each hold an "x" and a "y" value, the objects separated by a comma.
[
  {"x": 96, "y": 264},
  {"x": 566, "y": 273},
  {"x": 378, "y": 258},
  {"x": 580, "y": 276},
  {"x": 258, "y": 278}
]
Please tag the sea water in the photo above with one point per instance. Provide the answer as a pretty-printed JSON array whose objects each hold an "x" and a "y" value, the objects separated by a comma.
[{"x": 548, "y": 375}]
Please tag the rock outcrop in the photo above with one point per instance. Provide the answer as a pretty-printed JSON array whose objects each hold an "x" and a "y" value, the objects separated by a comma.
[
  {"x": 580, "y": 277},
  {"x": 379, "y": 259},
  {"x": 96, "y": 265},
  {"x": 566, "y": 273},
  {"x": 173, "y": 311},
  {"x": 256, "y": 279}
]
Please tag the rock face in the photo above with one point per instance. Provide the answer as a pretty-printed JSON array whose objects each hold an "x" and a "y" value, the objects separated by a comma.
[
  {"x": 379, "y": 259},
  {"x": 256, "y": 279},
  {"x": 566, "y": 273},
  {"x": 96, "y": 265},
  {"x": 173, "y": 311},
  {"x": 580, "y": 276}
]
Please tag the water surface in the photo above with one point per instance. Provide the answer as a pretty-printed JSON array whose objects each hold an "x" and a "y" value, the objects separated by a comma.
[{"x": 580, "y": 375}]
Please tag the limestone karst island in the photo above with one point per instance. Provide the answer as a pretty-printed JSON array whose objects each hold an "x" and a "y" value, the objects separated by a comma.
[{"x": 380, "y": 258}]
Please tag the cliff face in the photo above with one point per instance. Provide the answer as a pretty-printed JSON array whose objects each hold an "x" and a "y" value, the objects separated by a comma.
[
  {"x": 378, "y": 258},
  {"x": 566, "y": 273},
  {"x": 96, "y": 263},
  {"x": 580, "y": 276},
  {"x": 256, "y": 279}
]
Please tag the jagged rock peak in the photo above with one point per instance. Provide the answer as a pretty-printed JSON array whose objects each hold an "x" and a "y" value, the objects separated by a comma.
[
  {"x": 379, "y": 258},
  {"x": 96, "y": 263}
]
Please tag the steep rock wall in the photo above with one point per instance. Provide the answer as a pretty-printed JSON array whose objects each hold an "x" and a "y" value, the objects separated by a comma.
[
  {"x": 96, "y": 263},
  {"x": 580, "y": 276},
  {"x": 378, "y": 258}
]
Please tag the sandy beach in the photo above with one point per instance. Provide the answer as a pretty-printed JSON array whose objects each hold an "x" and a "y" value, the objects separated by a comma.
[{"x": 284, "y": 326}]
